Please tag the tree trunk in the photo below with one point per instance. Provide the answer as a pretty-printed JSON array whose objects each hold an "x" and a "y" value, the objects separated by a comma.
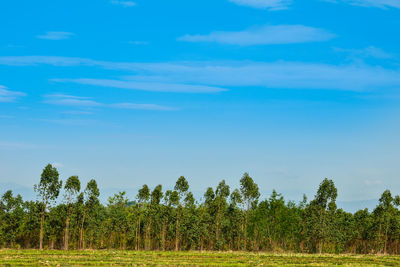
[
  {"x": 147, "y": 238},
  {"x": 320, "y": 247},
  {"x": 245, "y": 230},
  {"x": 177, "y": 232},
  {"x": 163, "y": 235},
  {"x": 66, "y": 234},
  {"x": 217, "y": 227},
  {"x": 81, "y": 236},
  {"x": 138, "y": 235},
  {"x": 41, "y": 228}
]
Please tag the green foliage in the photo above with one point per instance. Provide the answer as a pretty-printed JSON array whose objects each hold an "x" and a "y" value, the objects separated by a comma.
[{"x": 223, "y": 220}]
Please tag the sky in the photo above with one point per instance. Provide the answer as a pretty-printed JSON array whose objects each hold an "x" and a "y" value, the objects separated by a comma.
[{"x": 144, "y": 91}]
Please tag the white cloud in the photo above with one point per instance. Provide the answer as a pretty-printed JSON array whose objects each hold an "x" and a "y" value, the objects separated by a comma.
[
  {"x": 123, "y": 3},
  {"x": 68, "y": 100},
  {"x": 146, "y": 86},
  {"x": 215, "y": 76},
  {"x": 384, "y": 4},
  {"x": 140, "y": 106},
  {"x": 78, "y": 101},
  {"x": 56, "y": 35},
  {"x": 264, "y": 4},
  {"x": 138, "y": 42},
  {"x": 77, "y": 112},
  {"x": 265, "y": 35},
  {"x": 58, "y": 165},
  {"x": 16, "y": 145},
  {"x": 370, "y": 51},
  {"x": 9, "y": 96},
  {"x": 279, "y": 74}
]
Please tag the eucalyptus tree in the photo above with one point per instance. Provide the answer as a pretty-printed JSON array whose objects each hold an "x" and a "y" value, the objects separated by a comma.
[
  {"x": 221, "y": 194},
  {"x": 154, "y": 214},
  {"x": 320, "y": 213},
  {"x": 89, "y": 200},
  {"x": 142, "y": 197},
  {"x": 181, "y": 187},
  {"x": 190, "y": 223},
  {"x": 235, "y": 220},
  {"x": 11, "y": 218},
  {"x": 385, "y": 214},
  {"x": 171, "y": 200},
  {"x": 250, "y": 195},
  {"x": 48, "y": 190},
  {"x": 118, "y": 220},
  {"x": 72, "y": 188}
]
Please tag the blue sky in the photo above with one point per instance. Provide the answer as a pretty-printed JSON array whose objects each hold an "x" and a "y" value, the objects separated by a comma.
[{"x": 134, "y": 92}]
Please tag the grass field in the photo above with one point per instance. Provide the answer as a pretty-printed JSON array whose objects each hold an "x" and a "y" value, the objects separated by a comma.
[{"x": 132, "y": 258}]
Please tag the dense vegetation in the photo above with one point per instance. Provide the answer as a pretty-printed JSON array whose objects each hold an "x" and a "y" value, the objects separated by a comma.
[{"x": 173, "y": 220}]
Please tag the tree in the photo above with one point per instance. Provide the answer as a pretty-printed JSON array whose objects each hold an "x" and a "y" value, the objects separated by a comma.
[
  {"x": 322, "y": 208},
  {"x": 250, "y": 195},
  {"x": 235, "y": 219},
  {"x": 72, "y": 188},
  {"x": 155, "y": 211},
  {"x": 181, "y": 187},
  {"x": 48, "y": 190},
  {"x": 89, "y": 202},
  {"x": 384, "y": 213},
  {"x": 143, "y": 197},
  {"x": 221, "y": 193},
  {"x": 11, "y": 218}
]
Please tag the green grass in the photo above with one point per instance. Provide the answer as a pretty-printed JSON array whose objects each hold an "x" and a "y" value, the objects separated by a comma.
[{"x": 133, "y": 258}]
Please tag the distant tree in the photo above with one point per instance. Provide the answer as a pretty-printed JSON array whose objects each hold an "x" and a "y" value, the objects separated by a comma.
[
  {"x": 118, "y": 220},
  {"x": 89, "y": 203},
  {"x": 385, "y": 214},
  {"x": 142, "y": 197},
  {"x": 235, "y": 220},
  {"x": 181, "y": 187},
  {"x": 221, "y": 193},
  {"x": 11, "y": 218},
  {"x": 72, "y": 188},
  {"x": 250, "y": 195},
  {"x": 48, "y": 190},
  {"x": 154, "y": 213},
  {"x": 322, "y": 210}
]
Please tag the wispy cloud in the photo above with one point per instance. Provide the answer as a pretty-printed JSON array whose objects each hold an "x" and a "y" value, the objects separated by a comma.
[
  {"x": 6, "y": 117},
  {"x": 16, "y": 145},
  {"x": 290, "y": 75},
  {"x": 123, "y": 3},
  {"x": 215, "y": 76},
  {"x": 146, "y": 86},
  {"x": 265, "y": 35},
  {"x": 138, "y": 42},
  {"x": 9, "y": 96},
  {"x": 56, "y": 35},
  {"x": 77, "y": 112},
  {"x": 383, "y": 4},
  {"x": 140, "y": 106},
  {"x": 370, "y": 51},
  {"x": 58, "y": 165},
  {"x": 68, "y": 100},
  {"x": 79, "y": 101},
  {"x": 264, "y": 4}
]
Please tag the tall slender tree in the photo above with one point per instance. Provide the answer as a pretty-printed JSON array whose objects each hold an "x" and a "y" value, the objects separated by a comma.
[
  {"x": 250, "y": 195},
  {"x": 48, "y": 190},
  {"x": 72, "y": 188},
  {"x": 142, "y": 197},
  {"x": 181, "y": 186}
]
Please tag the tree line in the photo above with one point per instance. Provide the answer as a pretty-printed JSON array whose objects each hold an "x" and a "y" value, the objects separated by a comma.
[{"x": 72, "y": 217}]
